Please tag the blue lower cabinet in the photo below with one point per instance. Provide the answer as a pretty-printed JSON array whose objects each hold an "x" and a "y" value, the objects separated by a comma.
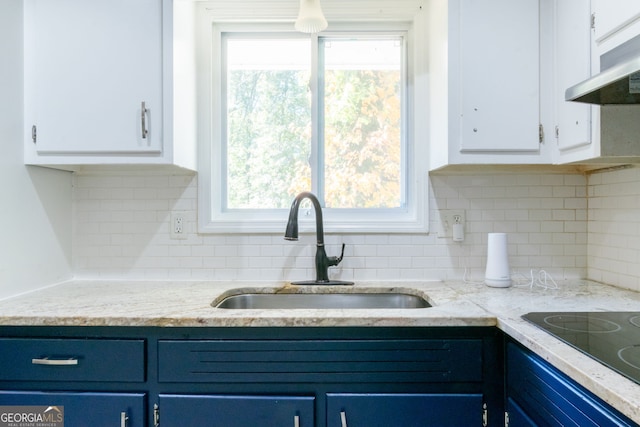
[
  {"x": 547, "y": 397},
  {"x": 72, "y": 409},
  {"x": 178, "y": 410},
  {"x": 516, "y": 415},
  {"x": 404, "y": 410}
]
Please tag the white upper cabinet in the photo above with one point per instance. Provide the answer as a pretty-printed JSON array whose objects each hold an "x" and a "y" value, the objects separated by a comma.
[
  {"x": 486, "y": 53},
  {"x": 98, "y": 83},
  {"x": 588, "y": 38},
  {"x": 90, "y": 66},
  {"x": 499, "y": 74},
  {"x": 615, "y": 22},
  {"x": 572, "y": 64}
]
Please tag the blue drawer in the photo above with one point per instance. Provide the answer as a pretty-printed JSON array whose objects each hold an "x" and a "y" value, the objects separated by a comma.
[
  {"x": 104, "y": 360},
  {"x": 312, "y": 361}
]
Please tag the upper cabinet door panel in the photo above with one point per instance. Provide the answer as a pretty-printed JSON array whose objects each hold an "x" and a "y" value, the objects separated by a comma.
[
  {"x": 612, "y": 16},
  {"x": 89, "y": 66},
  {"x": 499, "y": 73},
  {"x": 572, "y": 65}
]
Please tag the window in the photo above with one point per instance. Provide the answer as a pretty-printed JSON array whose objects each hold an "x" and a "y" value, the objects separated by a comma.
[{"x": 329, "y": 113}]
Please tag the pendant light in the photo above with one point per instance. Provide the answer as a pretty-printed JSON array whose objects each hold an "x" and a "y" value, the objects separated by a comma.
[{"x": 310, "y": 18}]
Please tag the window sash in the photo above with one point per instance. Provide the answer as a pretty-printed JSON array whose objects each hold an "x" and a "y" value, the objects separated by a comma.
[{"x": 320, "y": 68}]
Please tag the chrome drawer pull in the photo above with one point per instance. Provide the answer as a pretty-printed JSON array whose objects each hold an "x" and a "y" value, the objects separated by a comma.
[
  {"x": 343, "y": 418},
  {"x": 143, "y": 118},
  {"x": 54, "y": 362},
  {"x": 296, "y": 421},
  {"x": 123, "y": 419}
]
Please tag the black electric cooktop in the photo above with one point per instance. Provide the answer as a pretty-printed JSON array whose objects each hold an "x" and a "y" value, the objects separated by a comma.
[{"x": 612, "y": 338}]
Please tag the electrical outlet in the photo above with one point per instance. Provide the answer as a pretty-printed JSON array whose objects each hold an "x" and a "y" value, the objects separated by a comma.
[
  {"x": 178, "y": 225},
  {"x": 447, "y": 219}
]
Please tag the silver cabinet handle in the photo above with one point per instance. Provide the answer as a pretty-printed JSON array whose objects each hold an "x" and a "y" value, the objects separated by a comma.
[
  {"x": 296, "y": 421},
  {"x": 54, "y": 362},
  {"x": 156, "y": 414},
  {"x": 343, "y": 418},
  {"x": 143, "y": 118},
  {"x": 123, "y": 419}
]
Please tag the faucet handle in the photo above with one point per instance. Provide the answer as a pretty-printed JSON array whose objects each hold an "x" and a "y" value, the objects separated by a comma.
[
  {"x": 335, "y": 260},
  {"x": 341, "y": 255}
]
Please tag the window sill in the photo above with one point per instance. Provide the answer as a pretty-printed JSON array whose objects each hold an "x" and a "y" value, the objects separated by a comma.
[{"x": 274, "y": 222}]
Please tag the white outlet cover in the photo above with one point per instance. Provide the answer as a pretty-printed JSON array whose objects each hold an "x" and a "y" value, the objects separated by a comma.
[
  {"x": 178, "y": 225},
  {"x": 445, "y": 225}
]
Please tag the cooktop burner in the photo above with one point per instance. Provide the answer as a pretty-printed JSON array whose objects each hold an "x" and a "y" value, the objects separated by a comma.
[{"x": 612, "y": 338}]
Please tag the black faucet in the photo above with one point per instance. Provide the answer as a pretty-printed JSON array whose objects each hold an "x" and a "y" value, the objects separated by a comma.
[{"x": 323, "y": 262}]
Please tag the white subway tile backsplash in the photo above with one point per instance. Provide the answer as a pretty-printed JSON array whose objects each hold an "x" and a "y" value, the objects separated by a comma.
[
  {"x": 613, "y": 249},
  {"x": 122, "y": 230}
]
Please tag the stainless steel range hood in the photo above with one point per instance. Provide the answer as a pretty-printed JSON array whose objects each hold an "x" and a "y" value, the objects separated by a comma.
[{"x": 619, "y": 84}]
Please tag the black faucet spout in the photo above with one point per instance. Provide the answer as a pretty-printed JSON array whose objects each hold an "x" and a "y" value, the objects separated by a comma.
[
  {"x": 323, "y": 262},
  {"x": 291, "y": 233}
]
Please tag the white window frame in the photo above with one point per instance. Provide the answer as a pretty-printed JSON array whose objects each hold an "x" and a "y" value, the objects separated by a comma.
[{"x": 211, "y": 216}]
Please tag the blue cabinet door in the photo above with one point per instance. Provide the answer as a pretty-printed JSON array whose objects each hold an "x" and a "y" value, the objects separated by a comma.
[
  {"x": 236, "y": 411},
  {"x": 78, "y": 409},
  {"x": 404, "y": 410},
  {"x": 517, "y": 417},
  {"x": 550, "y": 398}
]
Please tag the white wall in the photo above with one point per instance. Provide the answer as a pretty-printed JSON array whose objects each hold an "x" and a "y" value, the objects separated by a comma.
[
  {"x": 122, "y": 231},
  {"x": 557, "y": 222},
  {"x": 35, "y": 203}
]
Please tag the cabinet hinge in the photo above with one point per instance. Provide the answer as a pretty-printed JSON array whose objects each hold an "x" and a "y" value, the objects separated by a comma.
[
  {"x": 34, "y": 134},
  {"x": 485, "y": 415},
  {"x": 506, "y": 419},
  {"x": 593, "y": 21},
  {"x": 541, "y": 133},
  {"x": 156, "y": 415}
]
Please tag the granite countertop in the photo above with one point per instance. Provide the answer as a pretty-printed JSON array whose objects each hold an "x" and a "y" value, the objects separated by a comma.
[
  {"x": 166, "y": 304},
  {"x": 186, "y": 304}
]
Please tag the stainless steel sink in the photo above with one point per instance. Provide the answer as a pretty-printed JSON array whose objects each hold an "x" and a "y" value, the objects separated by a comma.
[{"x": 322, "y": 301}]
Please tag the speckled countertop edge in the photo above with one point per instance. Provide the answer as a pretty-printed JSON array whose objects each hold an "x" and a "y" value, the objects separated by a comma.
[{"x": 189, "y": 304}]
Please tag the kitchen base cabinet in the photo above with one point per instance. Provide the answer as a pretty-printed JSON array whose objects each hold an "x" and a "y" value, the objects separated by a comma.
[
  {"x": 267, "y": 376},
  {"x": 406, "y": 410},
  {"x": 290, "y": 376},
  {"x": 351, "y": 377},
  {"x": 540, "y": 395},
  {"x": 236, "y": 411},
  {"x": 75, "y": 409},
  {"x": 92, "y": 380}
]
